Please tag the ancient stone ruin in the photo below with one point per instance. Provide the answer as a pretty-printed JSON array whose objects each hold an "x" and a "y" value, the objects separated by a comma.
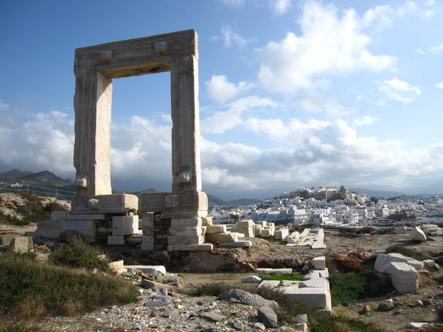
[{"x": 173, "y": 221}]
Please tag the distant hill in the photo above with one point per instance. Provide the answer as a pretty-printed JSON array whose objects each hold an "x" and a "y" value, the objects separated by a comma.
[
  {"x": 217, "y": 201},
  {"x": 376, "y": 193},
  {"x": 245, "y": 201},
  {"x": 45, "y": 178}
]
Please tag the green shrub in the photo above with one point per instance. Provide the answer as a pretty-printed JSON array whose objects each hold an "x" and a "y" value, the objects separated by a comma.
[
  {"x": 348, "y": 288},
  {"x": 407, "y": 252},
  {"x": 275, "y": 276},
  {"x": 78, "y": 254},
  {"x": 31, "y": 289}
]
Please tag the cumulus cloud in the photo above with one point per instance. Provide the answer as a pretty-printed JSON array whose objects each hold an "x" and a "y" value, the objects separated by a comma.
[
  {"x": 314, "y": 152},
  {"x": 44, "y": 141},
  {"x": 281, "y": 6},
  {"x": 221, "y": 90},
  {"x": 330, "y": 45},
  {"x": 222, "y": 121},
  {"x": 399, "y": 90},
  {"x": 307, "y": 152},
  {"x": 439, "y": 85}
]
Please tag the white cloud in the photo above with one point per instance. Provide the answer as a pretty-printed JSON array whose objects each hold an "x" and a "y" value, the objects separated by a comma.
[
  {"x": 330, "y": 46},
  {"x": 427, "y": 13},
  {"x": 429, "y": 2},
  {"x": 281, "y": 6},
  {"x": 439, "y": 85},
  {"x": 221, "y": 90},
  {"x": 232, "y": 38},
  {"x": 436, "y": 49},
  {"x": 3, "y": 106},
  {"x": 222, "y": 121},
  {"x": 234, "y": 3},
  {"x": 399, "y": 90},
  {"x": 42, "y": 142},
  {"x": 314, "y": 152},
  {"x": 365, "y": 120}
]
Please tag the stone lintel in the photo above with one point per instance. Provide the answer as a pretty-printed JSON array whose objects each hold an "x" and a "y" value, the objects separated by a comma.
[{"x": 137, "y": 56}]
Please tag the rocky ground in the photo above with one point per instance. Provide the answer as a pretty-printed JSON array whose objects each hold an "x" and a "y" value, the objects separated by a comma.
[{"x": 159, "y": 311}]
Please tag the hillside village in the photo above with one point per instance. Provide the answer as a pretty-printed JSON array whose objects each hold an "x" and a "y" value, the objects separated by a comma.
[{"x": 329, "y": 206}]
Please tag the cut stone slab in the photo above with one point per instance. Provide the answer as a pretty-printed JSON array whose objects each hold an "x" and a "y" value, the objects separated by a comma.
[
  {"x": 191, "y": 247},
  {"x": 211, "y": 229},
  {"x": 319, "y": 263},
  {"x": 238, "y": 244},
  {"x": 124, "y": 225},
  {"x": 313, "y": 297},
  {"x": 383, "y": 261},
  {"x": 404, "y": 277},
  {"x": 276, "y": 271},
  {"x": 318, "y": 246}
]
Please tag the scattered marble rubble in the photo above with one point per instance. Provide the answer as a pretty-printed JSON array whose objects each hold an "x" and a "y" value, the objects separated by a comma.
[
  {"x": 310, "y": 237},
  {"x": 313, "y": 290}
]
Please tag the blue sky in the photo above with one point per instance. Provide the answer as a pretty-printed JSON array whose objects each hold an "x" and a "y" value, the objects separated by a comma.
[{"x": 292, "y": 93}]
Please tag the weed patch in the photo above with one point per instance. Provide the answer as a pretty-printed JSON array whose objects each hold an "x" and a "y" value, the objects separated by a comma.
[
  {"x": 348, "y": 288},
  {"x": 30, "y": 289},
  {"x": 78, "y": 254}
]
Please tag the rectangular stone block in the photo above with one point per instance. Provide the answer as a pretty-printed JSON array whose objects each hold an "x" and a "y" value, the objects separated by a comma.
[
  {"x": 104, "y": 204},
  {"x": 77, "y": 224},
  {"x": 191, "y": 247},
  {"x": 123, "y": 225},
  {"x": 404, "y": 277},
  {"x": 247, "y": 232},
  {"x": 183, "y": 239},
  {"x": 265, "y": 232},
  {"x": 245, "y": 223},
  {"x": 212, "y": 229},
  {"x": 58, "y": 216},
  {"x": 148, "y": 230},
  {"x": 147, "y": 246},
  {"x": 185, "y": 201},
  {"x": 276, "y": 271},
  {"x": 182, "y": 222},
  {"x": 116, "y": 240},
  {"x": 281, "y": 234},
  {"x": 237, "y": 244},
  {"x": 185, "y": 230},
  {"x": 86, "y": 217},
  {"x": 147, "y": 239},
  {"x": 262, "y": 223},
  {"x": 207, "y": 221},
  {"x": 313, "y": 297},
  {"x": 184, "y": 214},
  {"x": 223, "y": 237},
  {"x": 319, "y": 263}
]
